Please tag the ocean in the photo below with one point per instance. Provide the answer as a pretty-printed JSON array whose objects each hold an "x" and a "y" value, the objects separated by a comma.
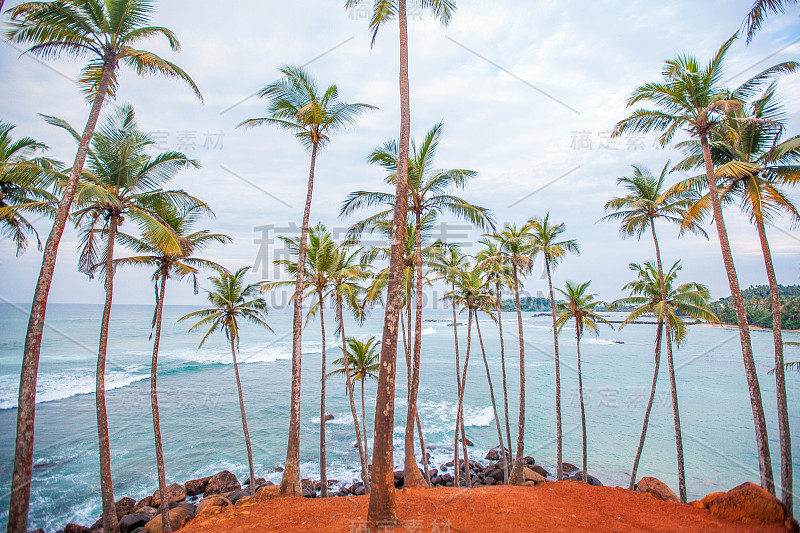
[{"x": 202, "y": 428}]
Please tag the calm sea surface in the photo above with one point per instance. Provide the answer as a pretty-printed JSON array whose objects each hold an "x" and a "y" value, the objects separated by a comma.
[{"x": 202, "y": 427}]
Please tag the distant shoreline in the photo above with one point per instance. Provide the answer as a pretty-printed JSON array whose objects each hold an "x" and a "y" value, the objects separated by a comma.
[{"x": 734, "y": 326}]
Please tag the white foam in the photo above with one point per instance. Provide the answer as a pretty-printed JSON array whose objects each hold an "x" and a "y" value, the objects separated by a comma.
[
  {"x": 601, "y": 342},
  {"x": 338, "y": 420},
  {"x": 429, "y": 331}
]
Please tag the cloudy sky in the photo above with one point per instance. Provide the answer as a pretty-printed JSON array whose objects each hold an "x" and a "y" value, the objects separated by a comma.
[{"x": 528, "y": 92}]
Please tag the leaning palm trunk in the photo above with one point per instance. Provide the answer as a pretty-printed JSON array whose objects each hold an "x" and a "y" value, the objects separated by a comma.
[
  {"x": 106, "y": 485},
  {"x": 659, "y": 333},
  {"x": 423, "y": 451},
  {"x": 673, "y": 386},
  {"x": 505, "y": 454},
  {"x": 323, "y": 464},
  {"x": 244, "y": 420},
  {"x": 580, "y": 394},
  {"x": 780, "y": 378},
  {"x": 349, "y": 383},
  {"x": 290, "y": 481},
  {"x": 491, "y": 394},
  {"x": 19, "y": 499},
  {"x": 559, "y": 436},
  {"x": 407, "y": 351},
  {"x": 756, "y": 405},
  {"x": 516, "y": 477},
  {"x": 382, "y": 502},
  {"x": 456, "y": 477},
  {"x": 460, "y": 411},
  {"x": 412, "y": 478},
  {"x": 162, "y": 478}
]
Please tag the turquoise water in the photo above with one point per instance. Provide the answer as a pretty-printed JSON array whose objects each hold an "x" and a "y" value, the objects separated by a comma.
[{"x": 202, "y": 427}]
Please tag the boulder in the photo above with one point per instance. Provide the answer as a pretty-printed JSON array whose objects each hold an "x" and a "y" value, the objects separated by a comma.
[
  {"x": 328, "y": 418},
  {"x": 259, "y": 481},
  {"x": 489, "y": 481},
  {"x": 129, "y": 522},
  {"x": 590, "y": 479},
  {"x": 528, "y": 460},
  {"x": 177, "y": 518},
  {"x": 309, "y": 493},
  {"x": 656, "y": 488},
  {"x": 222, "y": 482},
  {"x": 195, "y": 487},
  {"x": 529, "y": 483},
  {"x": 124, "y": 506},
  {"x": 243, "y": 500},
  {"x": 237, "y": 495},
  {"x": 190, "y": 508},
  {"x": 469, "y": 442},
  {"x": 493, "y": 455},
  {"x": 175, "y": 493},
  {"x": 75, "y": 528},
  {"x": 709, "y": 498},
  {"x": 436, "y": 481},
  {"x": 539, "y": 470},
  {"x": 569, "y": 468},
  {"x": 307, "y": 484},
  {"x": 144, "y": 502},
  {"x": 530, "y": 475},
  {"x": 211, "y": 501},
  {"x": 748, "y": 501},
  {"x": 494, "y": 472},
  {"x": 266, "y": 493},
  {"x": 360, "y": 491}
]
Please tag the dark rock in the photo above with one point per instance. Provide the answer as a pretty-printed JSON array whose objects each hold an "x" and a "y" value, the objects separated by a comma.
[
  {"x": 124, "y": 506},
  {"x": 175, "y": 493},
  {"x": 448, "y": 484},
  {"x": 328, "y": 418},
  {"x": 493, "y": 455},
  {"x": 569, "y": 468},
  {"x": 266, "y": 484},
  {"x": 144, "y": 502},
  {"x": 212, "y": 504},
  {"x": 436, "y": 481},
  {"x": 309, "y": 493},
  {"x": 195, "y": 487},
  {"x": 657, "y": 489},
  {"x": 489, "y": 481},
  {"x": 448, "y": 463},
  {"x": 276, "y": 469},
  {"x": 398, "y": 475},
  {"x": 539, "y": 470},
  {"x": 360, "y": 491},
  {"x": 191, "y": 509},
  {"x": 40, "y": 530},
  {"x": 259, "y": 481},
  {"x": 307, "y": 484},
  {"x": 469, "y": 442},
  {"x": 528, "y": 460},
  {"x": 75, "y": 528},
  {"x": 131, "y": 521},
  {"x": 590, "y": 479},
  {"x": 475, "y": 466},
  {"x": 222, "y": 482},
  {"x": 177, "y": 518}
]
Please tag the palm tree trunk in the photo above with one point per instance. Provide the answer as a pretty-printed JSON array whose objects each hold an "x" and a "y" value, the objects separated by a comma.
[
  {"x": 349, "y": 382},
  {"x": 580, "y": 393},
  {"x": 559, "y": 435},
  {"x": 659, "y": 333},
  {"x": 244, "y": 419},
  {"x": 364, "y": 421},
  {"x": 516, "y": 477},
  {"x": 780, "y": 377},
  {"x": 423, "y": 451},
  {"x": 412, "y": 477},
  {"x": 460, "y": 415},
  {"x": 756, "y": 405},
  {"x": 456, "y": 476},
  {"x": 19, "y": 499},
  {"x": 290, "y": 481},
  {"x": 673, "y": 386},
  {"x": 382, "y": 503},
  {"x": 106, "y": 484},
  {"x": 162, "y": 478},
  {"x": 503, "y": 454},
  {"x": 491, "y": 394},
  {"x": 323, "y": 463}
]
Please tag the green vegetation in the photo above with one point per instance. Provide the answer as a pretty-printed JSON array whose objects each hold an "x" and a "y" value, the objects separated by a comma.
[{"x": 759, "y": 309}]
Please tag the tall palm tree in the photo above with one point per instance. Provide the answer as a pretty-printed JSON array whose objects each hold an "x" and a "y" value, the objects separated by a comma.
[
  {"x": 121, "y": 180},
  {"x": 690, "y": 98},
  {"x": 646, "y": 201},
  {"x": 449, "y": 264},
  {"x": 322, "y": 257},
  {"x": 428, "y": 192},
  {"x": 24, "y": 183},
  {"x": 647, "y": 295},
  {"x": 754, "y": 165},
  {"x": 363, "y": 357},
  {"x": 231, "y": 302},
  {"x": 759, "y": 12},
  {"x": 498, "y": 272},
  {"x": 382, "y": 503},
  {"x": 169, "y": 265},
  {"x": 296, "y": 104},
  {"x": 545, "y": 241},
  {"x": 107, "y": 32},
  {"x": 514, "y": 248},
  {"x": 580, "y": 307}
]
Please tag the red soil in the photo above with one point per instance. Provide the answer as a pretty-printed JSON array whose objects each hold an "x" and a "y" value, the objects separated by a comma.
[{"x": 561, "y": 506}]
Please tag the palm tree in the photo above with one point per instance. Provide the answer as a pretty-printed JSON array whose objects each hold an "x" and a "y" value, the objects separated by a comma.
[
  {"x": 121, "y": 180},
  {"x": 514, "y": 249},
  {"x": 296, "y": 104},
  {"x": 428, "y": 193},
  {"x": 497, "y": 271},
  {"x": 363, "y": 357},
  {"x": 106, "y": 32},
  {"x": 545, "y": 241},
  {"x": 382, "y": 504},
  {"x": 24, "y": 180},
  {"x": 690, "y": 98},
  {"x": 637, "y": 212},
  {"x": 232, "y": 301},
  {"x": 656, "y": 293},
  {"x": 581, "y": 308},
  {"x": 322, "y": 257},
  {"x": 168, "y": 265},
  {"x": 753, "y": 166},
  {"x": 759, "y": 12}
]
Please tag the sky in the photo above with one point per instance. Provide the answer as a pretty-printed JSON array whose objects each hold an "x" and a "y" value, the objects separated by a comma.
[{"x": 528, "y": 92}]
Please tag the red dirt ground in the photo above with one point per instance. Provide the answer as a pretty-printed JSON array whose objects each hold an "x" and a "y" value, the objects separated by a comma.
[{"x": 561, "y": 506}]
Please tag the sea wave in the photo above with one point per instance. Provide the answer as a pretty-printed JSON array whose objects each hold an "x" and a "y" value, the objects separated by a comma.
[
  {"x": 602, "y": 342},
  {"x": 62, "y": 385},
  {"x": 429, "y": 331}
]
